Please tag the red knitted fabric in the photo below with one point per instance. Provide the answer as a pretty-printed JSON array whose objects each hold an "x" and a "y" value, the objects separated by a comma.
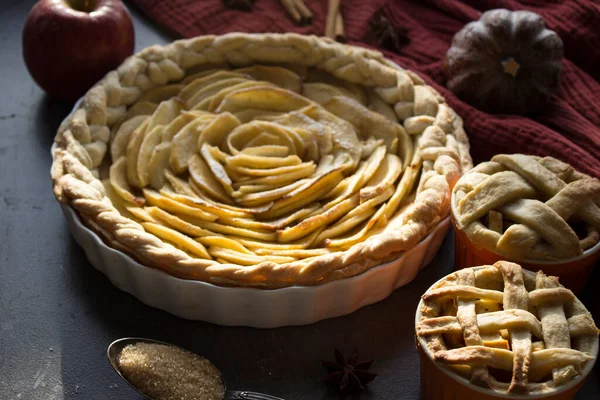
[{"x": 569, "y": 127}]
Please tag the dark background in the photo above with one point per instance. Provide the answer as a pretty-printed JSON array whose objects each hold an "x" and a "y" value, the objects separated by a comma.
[{"x": 58, "y": 314}]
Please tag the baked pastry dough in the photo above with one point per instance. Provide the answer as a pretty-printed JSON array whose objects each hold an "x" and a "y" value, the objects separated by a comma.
[
  {"x": 525, "y": 206},
  {"x": 481, "y": 322},
  {"x": 260, "y": 160}
]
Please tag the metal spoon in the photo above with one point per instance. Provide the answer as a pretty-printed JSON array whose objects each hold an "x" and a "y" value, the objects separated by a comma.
[{"x": 115, "y": 348}]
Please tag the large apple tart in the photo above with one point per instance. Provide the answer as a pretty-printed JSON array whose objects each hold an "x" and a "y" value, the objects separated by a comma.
[{"x": 260, "y": 160}]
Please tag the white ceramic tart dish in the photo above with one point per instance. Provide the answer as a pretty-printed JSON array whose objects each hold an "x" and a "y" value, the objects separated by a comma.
[
  {"x": 260, "y": 160},
  {"x": 238, "y": 306}
]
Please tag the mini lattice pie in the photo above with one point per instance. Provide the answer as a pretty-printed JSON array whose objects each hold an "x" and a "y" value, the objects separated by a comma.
[
  {"x": 527, "y": 207},
  {"x": 260, "y": 160},
  {"x": 507, "y": 329}
]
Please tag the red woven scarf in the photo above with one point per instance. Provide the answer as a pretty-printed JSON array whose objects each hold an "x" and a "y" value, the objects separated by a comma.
[{"x": 568, "y": 128}]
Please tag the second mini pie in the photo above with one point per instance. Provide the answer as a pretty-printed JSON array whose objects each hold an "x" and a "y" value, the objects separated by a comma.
[
  {"x": 503, "y": 332},
  {"x": 538, "y": 211}
]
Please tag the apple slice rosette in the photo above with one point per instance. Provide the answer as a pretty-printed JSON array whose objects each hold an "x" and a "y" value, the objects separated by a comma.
[{"x": 261, "y": 175}]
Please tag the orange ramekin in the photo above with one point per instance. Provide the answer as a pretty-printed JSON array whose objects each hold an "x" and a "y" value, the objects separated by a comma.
[
  {"x": 441, "y": 383},
  {"x": 573, "y": 273}
]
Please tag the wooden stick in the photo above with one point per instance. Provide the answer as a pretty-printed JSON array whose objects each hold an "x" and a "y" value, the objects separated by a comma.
[
  {"x": 299, "y": 12},
  {"x": 339, "y": 33},
  {"x": 307, "y": 15},
  {"x": 290, "y": 7},
  {"x": 334, "y": 6}
]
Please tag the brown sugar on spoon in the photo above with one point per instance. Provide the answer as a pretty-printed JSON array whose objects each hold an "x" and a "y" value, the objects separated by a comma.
[{"x": 167, "y": 372}]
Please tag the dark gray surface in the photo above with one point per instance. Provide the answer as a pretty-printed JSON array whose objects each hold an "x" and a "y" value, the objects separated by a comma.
[{"x": 58, "y": 314}]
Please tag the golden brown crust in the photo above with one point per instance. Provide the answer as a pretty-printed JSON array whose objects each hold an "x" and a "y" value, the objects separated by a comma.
[
  {"x": 442, "y": 151},
  {"x": 507, "y": 318}
]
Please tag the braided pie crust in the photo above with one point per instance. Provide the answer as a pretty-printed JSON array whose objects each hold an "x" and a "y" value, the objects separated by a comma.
[
  {"x": 507, "y": 329},
  {"x": 197, "y": 136}
]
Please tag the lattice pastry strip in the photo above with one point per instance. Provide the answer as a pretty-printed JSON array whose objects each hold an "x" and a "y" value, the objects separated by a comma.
[
  {"x": 533, "y": 306},
  {"x": 522, "y": 209}
]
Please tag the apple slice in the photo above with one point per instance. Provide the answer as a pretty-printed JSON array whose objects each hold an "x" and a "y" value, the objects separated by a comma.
[
  {"x": 243, "y": 136},
  {"x": 282, "y": 179},
  {"x": 216, "y": 131},
  {"x": 254, "y": 199},
  {"x": 251, "y": 114},
  {"x": 180, "y": 241},
  {"x": 282, "y": 77},
  {"x": 185, "y": 145},
  {"x": 218, "y": 98},
  {"x": 144, "y": 108},
  {"x": 225, "y": 242},
  {"x": 142, "y": 214},
  {"x": 343, "y": 134},
  {"x": 261, "y": 140},
  {"x": 151, "y": 140},
  {"x": 317, "y": 138},
  {"x": 231, "y": 230},
  {"x": 117, "y": 201},
  {"x": 204, "y": 205},
  {"x": 365, "y": 171},
  {"x": 303, "y": 254},
  {"x": 176, "y": 125},
  {"x": 119, "y": 142},
  {"x": 177, "y": 223},
  {"x": 217, "y": 169},
  {"x": 201, "y": 174},
  {"x": 266, "y": 151},
  {"x": 389, "y": 170},
  {"x": 158, "y": 164},
  {"x": 305, "y": 194},
  {"x": 156, "y": 199},
  {"x": 322, "y": 92},
  {"x": 249, "y": 161},
  {"x": 194, "y": 86},
  {"x": 179, "y": 185},
  {"x": 203, "y": 70},
  {"x": 404, "y": 187},
  {"x": 313, "y": 223},
  {"x": 367, "y": 122},
  {"x": 201, "y": 99},
  {"x": 235, "y": 257},
  {"x": 166, "y": 112},
  {"x": 118, "y": 180},
  {"x": 133, "y": 148},
  {"x": 377, "y": 104},
  {"x": 159, "y": 94},
  {"x": 303, "y": 243},
  {"x": 263, "y": 97},
  {"x": 361, "y": 234}
]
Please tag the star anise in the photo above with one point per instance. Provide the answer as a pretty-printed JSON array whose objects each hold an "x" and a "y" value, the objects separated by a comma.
[
  {"x": 348, "y": 374},
  {"x": 243, "y": 5},
  {"x": 386, "y": 34}
]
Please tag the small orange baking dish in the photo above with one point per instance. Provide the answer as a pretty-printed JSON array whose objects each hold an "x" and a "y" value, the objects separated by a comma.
[
  {"x": 502, "y": 332},
  {"x": 536, "y": 211},
  {"x": 573, "y": 272}
]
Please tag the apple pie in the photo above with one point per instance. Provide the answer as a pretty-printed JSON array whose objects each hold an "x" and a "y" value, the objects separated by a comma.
[
  {"x": 506, "y": 330},
  {"x": 528, "y": 207},
  {"x": 261, "y": 160}
]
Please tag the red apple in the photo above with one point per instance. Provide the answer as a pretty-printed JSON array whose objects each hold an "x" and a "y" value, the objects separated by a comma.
[{"x": 69, "y": 45}]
